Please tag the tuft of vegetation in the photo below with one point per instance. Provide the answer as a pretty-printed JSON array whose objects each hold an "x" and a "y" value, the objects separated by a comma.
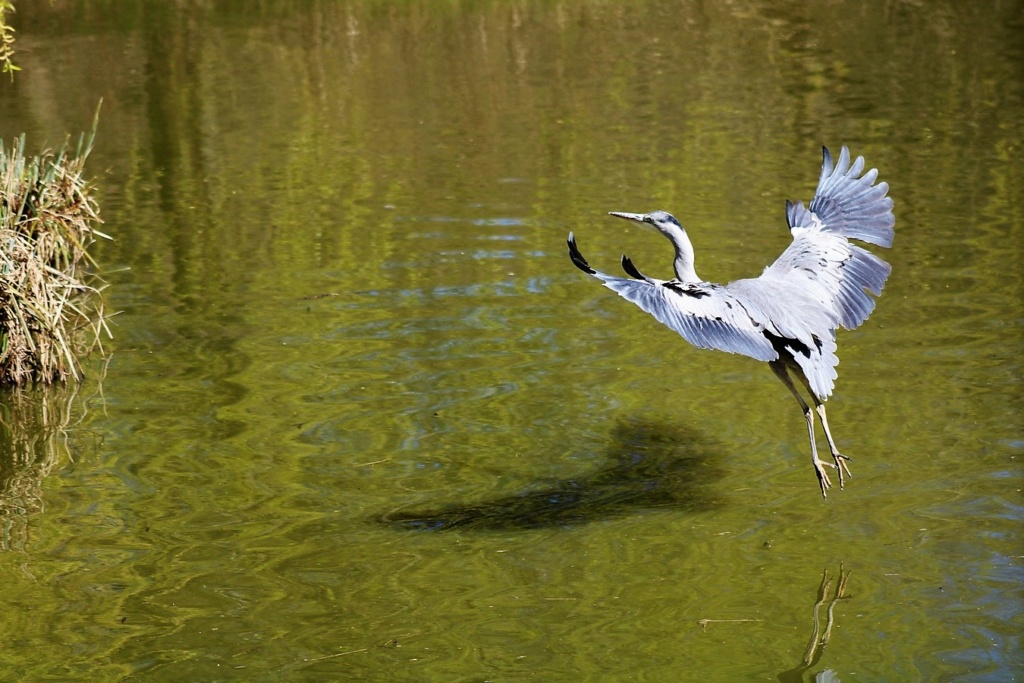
[{"x": 47, "y": 215}]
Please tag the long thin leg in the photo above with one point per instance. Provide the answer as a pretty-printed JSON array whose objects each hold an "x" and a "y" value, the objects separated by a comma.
[
  {"x": 838, "y": 457},
  {"x": 779, "y": 368}
]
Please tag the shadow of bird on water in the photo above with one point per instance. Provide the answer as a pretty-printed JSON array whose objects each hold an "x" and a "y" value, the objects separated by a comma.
[{"x": 648, "y": 465}]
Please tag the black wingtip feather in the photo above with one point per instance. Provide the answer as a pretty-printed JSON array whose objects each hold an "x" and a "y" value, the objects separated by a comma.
[
  {"x": 631, "y": 270},
  {"x": 577, "y": 257}
]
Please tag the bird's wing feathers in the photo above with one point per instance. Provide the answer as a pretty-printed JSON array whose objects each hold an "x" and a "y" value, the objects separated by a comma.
[
  {"x": 631, "y": 270},
  {"x": 847, "y": 203},
  {"x": 706, "y": 315},
  {"x": 821, "y": 281},
  {"x": 835, "y": 271},
  {"x": 799, "y": 324},
  {"x": 820, "y": 258}
]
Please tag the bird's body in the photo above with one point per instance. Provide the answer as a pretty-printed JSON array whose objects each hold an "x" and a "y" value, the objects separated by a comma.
[{"x": 788, "y": 315}]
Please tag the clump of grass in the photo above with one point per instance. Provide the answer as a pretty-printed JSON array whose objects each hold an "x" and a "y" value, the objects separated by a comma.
[{"x": 47, "y": 214}]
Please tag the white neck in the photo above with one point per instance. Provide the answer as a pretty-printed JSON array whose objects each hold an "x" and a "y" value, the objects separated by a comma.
[{"x": 683, "y": 263}]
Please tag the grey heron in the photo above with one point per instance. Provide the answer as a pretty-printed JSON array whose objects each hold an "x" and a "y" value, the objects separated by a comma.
[{"x": 788, "y": 315}]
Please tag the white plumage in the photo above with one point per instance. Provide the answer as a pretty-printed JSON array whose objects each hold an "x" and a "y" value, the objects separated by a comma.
[{"x": 789, "y": 314}]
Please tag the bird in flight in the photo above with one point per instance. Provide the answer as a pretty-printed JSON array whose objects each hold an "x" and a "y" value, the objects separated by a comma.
[{"x": 788, "y": 315}]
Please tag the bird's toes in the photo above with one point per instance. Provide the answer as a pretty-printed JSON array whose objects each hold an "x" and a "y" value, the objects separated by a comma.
[
  {"x": 841, "y": 466},
  {"x": 823, "y": 479}
]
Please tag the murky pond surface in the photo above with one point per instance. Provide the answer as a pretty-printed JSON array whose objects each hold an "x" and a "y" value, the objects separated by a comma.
[{"x": 362, "y": 419}]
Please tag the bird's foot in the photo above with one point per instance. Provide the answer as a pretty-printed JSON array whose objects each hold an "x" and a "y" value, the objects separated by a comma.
[
  {"x": 823, "y": 480},
  {"x": 841, "y": 466}
]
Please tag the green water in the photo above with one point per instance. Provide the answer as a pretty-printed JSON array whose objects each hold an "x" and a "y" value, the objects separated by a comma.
[{"x": 362, "y": 420}]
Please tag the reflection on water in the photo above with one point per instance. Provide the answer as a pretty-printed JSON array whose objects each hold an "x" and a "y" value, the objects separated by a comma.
[
  {"x": 33, "y": 441},
  {"x": 648, "y": 465},
  {"x": 348, "y": 312},
  {"x": 820, "y": 634}
]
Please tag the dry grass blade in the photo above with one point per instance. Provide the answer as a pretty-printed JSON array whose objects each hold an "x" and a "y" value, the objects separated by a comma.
[{"x": 50, "y": 316}]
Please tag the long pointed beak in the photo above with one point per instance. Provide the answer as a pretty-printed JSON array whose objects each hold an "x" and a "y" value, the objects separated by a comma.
[{"x": 636, "y": 217}]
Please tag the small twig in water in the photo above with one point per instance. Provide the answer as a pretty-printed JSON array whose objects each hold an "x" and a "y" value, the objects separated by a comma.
[
  {"x": 704, "y": 622},
  {"x": 340, "y": 654}
]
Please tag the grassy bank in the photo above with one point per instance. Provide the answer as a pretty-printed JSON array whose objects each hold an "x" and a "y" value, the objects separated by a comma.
[{"x": 50, "y": 316}]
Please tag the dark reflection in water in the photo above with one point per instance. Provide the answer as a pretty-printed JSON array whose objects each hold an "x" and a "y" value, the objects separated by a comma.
[
  {"x": 649, "y": 464},
  {"x": 33, "y": 441},
  {"x": 820, "y": 633}
]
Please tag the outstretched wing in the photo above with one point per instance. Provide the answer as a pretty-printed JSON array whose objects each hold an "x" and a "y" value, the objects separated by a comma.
[
  {"x": 706, "y": 315},
  {"x": 846, "y": 206},
  {"x": 847, "y": 203}
]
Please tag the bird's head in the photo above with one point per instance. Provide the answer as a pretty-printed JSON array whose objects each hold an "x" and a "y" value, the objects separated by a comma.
[
  {"x": 662, "y": 221},
  {"x": 667, "y": 225}
]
